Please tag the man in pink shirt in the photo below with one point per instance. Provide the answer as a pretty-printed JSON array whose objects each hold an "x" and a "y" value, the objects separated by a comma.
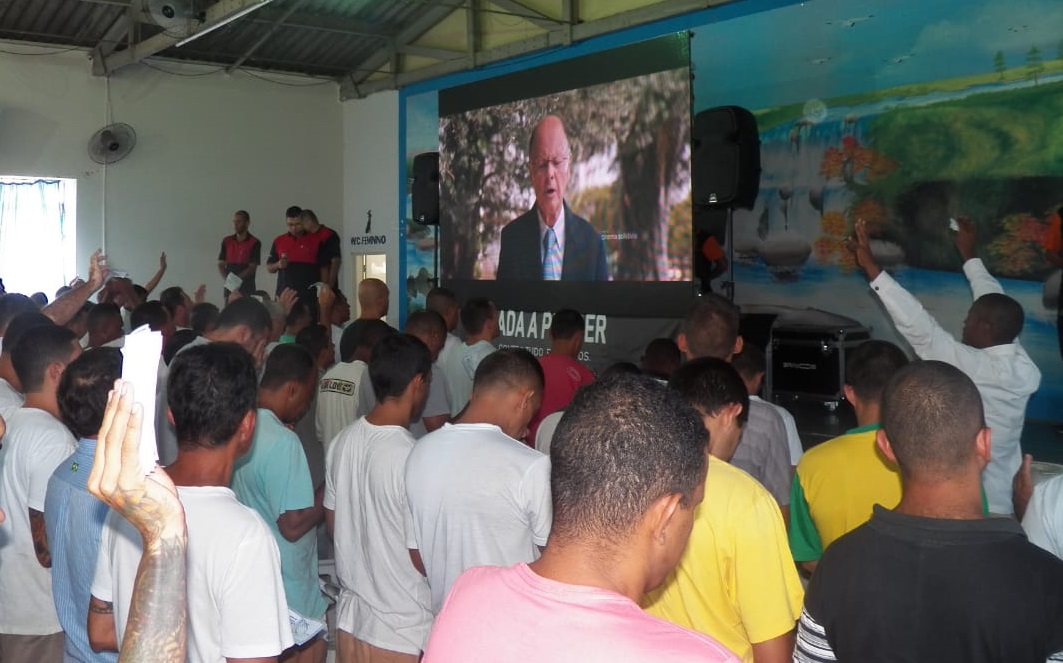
[
  {"x": 563, "y": 372},
  {"x": 629, "y": 465}
]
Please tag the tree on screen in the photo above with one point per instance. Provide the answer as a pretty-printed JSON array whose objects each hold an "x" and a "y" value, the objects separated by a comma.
[{"x": 630, "y": 174}]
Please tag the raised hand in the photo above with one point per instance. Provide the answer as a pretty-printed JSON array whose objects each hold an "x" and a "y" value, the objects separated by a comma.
[
  {"x": 162, "y": 261},
  {"x": 98, "y": 270},
  {"x": 966, "y": 238},
  {"x": 150, "y": 503},
  {"x": 201, "y": 293},
  {"x": 861, "y": 248},
  {"x": 287, "y": 300}
]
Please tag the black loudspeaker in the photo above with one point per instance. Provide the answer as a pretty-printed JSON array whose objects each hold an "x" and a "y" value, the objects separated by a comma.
[
  {"x": 725, "y": 158},
  {"x": 425, "y": 193}
]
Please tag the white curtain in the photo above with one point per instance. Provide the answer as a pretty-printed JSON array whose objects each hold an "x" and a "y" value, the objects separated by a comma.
[{"x": 35, "y": 235}]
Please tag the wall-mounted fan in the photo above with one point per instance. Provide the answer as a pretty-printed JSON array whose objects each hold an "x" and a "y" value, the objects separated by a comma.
[
  {"x": 175, "y": 17},
  {"x": 112, "y": 143}
]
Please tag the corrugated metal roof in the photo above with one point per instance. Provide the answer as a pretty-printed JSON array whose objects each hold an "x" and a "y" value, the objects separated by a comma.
[{"x": 331, "y": 38}]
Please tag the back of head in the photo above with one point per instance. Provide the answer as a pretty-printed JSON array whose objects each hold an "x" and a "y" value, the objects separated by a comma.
[
  {"x": 210, "y": 389},
  {"x": 1003, "y": 315},
  {"x": 476, "y": 313},
  {"x": 315, "y": 338},
  {"x": 84, "y": 387},
  {"x": 709, "y": 384},
  {"x": 180, "y": 339},
  {"x": 931, "y": 414},
  {"x": 246, "y": 312},
  {"x": 173, "y": 298},
  {"x": 204, "y": 317},
  {"x": 302, "y": 311},
  {"x": 870, "y": 367},
  {"x": 308, "y": 216},
  {"x": 39, "y": 299},
  {"x": 620, "y": 368},
  {"x": 425, "y": 324},
  {"x": 38, "y": 348},
  {"x": 289, "y": 362},
  {"x": 360, "y": 336},
  {"x": 750, "y": 362},
  {"x": 508, "y": 370},
  {"x": 152, "y": 313},
  {"x": 394, "y": 362},
  {"x": 441, "y": 300},
  {"x": 711, "y": 327},
  {"x": 11, "y": 305},
  {"x": 103, "y": 315},
  {"x": 20, "y": 324},
  {"x": 566, "y": 324},
  {"x": 662, "y": 357},
  {"x": 372, "y": 293},
  {"x": 623, "y": 443}
]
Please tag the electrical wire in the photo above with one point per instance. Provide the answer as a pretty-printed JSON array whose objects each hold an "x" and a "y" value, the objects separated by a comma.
[
  {"x": 178, "y": 73},
  {"x": 55, "y": 52}
]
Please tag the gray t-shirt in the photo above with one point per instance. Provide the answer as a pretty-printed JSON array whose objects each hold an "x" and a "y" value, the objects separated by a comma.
[{"x": 763, "y": 451}]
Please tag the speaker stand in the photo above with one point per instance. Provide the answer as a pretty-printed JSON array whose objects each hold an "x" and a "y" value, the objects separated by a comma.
[{"x": 729, "y": 284}]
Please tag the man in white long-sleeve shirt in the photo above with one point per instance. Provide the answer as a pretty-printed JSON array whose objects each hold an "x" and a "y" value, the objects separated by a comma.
[{"x": 988, "y": 352}]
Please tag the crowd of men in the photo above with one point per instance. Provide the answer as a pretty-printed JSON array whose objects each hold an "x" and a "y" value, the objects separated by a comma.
[{"x": 487, "y": 505}]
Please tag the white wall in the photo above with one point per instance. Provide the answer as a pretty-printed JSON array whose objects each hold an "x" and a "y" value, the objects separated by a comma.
[
  {"x": 206, "y": 146},
  {"x": 371, "y": 182}
]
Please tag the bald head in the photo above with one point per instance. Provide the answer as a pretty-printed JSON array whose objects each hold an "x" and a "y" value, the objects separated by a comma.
[
  {"x": 549, "y": 161},
  {"x": 372, "y": 299}
]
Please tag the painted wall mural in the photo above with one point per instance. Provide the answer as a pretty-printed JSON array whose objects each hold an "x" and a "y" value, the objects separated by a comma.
[{"x": 904, "y": 113}]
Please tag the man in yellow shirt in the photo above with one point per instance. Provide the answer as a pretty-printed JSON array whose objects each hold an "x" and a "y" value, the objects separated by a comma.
[
  {"x": 839, "y": 481},
  {"x": 736, "y": 580}
]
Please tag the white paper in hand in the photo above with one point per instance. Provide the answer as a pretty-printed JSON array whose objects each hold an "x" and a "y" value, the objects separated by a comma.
[
  {"x": 140, "y": 368},
  {"x": 233, "y": 282}
]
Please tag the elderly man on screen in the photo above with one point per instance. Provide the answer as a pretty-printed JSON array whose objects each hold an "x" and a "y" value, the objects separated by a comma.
[{"x": 549, "y": 242}]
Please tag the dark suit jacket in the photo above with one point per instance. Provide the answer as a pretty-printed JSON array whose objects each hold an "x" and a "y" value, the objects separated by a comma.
[{"x": 520, "y": 257}]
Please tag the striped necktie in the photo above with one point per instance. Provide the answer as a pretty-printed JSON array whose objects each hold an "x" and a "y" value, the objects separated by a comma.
[{"x": 551, "y": 256}]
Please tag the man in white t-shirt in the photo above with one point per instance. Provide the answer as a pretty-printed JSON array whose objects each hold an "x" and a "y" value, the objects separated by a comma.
[
  {"x": 629, "y": 473},
  {"x": 430, "y": 328},
  {"x": 383, "y": 610},
  {"x": 477, "y": 495},
  {"x": 344, "y": 393},
  {"x": 236, "y": 601},
  {"x": 479, "y": 316},
  {"x": 444, "y": 302},
  {"x": 35, "y": 444},
  {"x": 11, "y": 398}
]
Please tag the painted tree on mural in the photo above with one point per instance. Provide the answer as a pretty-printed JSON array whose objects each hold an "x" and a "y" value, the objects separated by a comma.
[
  {"x": 1035, "y": 65},
  {"x": 998, "y": 65},
  {"x": 630, "y": 164}
]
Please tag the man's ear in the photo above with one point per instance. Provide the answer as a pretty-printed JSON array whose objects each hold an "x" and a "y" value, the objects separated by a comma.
[
  {"x": 681, "y": 342},
  {"x": 850, "y": 393},
  {"x": 983, "y": 443},
  {"x": 884, "y": 445},
  {"x": 739, "y": 344},
  {"x": 245, "y": 432},
  {"x": 661, "y": 515}
]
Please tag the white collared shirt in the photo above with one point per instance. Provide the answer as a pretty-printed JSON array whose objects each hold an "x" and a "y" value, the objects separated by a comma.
[
  {"x": 559, "y": 230},
  {"x": 1004, "y": 374}
]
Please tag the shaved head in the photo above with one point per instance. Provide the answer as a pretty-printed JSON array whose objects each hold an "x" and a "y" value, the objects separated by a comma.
[{"x": 373, "y": 298}]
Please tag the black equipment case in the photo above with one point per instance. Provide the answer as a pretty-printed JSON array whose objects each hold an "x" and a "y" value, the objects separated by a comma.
[{"x": 806, "y": 356}]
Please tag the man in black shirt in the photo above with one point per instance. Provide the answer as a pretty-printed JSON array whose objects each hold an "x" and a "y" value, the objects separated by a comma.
[{"x": 933, "y": 580}]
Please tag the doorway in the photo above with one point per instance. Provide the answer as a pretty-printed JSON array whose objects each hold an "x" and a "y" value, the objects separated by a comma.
[{"x": 367, "y": 266}]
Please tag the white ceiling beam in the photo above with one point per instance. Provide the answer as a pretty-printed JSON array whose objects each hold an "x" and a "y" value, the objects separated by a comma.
[
  {"x": 557, "y": 37},
  {"x": 521, "y": 10},
  {"x": 428, "y": 52},
  {"x": 121, "y": 29},
  {"x": 217, "y": 14}
]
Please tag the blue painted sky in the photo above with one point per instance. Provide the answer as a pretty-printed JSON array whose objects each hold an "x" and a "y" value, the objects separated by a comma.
[{"x": 826, "y": 48}]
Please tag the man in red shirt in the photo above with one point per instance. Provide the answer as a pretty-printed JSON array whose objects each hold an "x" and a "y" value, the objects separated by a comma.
[
  {"x": 240, "y": 254},
  {"x": 564, "y": 374},
  {"x": 293, "y": 256},
  {"x": 328, "y": 253}
]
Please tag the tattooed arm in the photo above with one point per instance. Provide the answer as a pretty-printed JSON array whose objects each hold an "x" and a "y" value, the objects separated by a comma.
[
  {"x": 40, "y": 538},
  {"x": 156, "y": 628}
]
